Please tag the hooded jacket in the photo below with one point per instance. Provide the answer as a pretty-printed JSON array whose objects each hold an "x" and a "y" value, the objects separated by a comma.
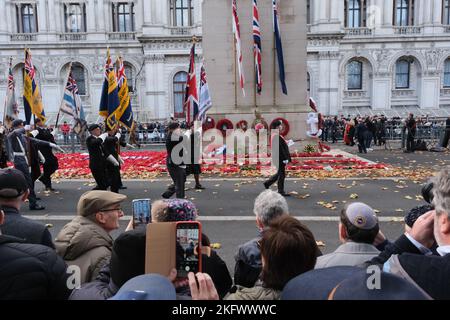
[{"x": 85, "y": 244}]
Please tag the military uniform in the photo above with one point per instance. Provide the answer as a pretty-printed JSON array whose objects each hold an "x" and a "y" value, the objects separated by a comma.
[
  {"x": 20, "y": 152},
  {"x": 97, "y": 161},
  {"x": 51, "y": 162}
]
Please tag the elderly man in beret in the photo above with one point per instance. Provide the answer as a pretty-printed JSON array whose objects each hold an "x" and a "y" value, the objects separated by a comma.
[
  {"x": 14, "y": 191},
  {"x": 86, "y": 241}
]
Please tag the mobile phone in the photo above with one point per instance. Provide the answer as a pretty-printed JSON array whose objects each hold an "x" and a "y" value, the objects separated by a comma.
[
  {"x": 141, "y": 212},
  {"x": 188, "y": 247}
]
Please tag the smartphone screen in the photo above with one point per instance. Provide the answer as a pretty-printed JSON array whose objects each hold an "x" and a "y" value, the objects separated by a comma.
[
  {"x": 188, "y": 239},
  {"x": 141, "y": 212}
]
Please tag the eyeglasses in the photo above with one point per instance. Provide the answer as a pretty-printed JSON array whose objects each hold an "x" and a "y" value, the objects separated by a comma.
[{"x": 115, "y": 209}]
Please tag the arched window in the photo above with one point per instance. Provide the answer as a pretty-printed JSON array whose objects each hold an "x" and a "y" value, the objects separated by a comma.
[
  {"x": 129, "y": 72},
  {"x": 404, "y": 13},
  {"x": 181, "y": 12},
  {"x": 402, "y": 74},
  {"x": 179, "y": 88},
  {"x": 354, "y": 75},
  {"x": 79, "y": 75},
  {"x": 447, "y": 73}
]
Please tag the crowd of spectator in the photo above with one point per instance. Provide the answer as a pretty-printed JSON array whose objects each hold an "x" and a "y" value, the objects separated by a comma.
[{"x": 283, "y": 262}]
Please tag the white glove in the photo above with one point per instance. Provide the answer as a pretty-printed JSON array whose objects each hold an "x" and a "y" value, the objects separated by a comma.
[
  {"x": 41, "y": 157},
  {"x": 54, "y": 146},
  {"x": 131, "y": 146},
  {"x": 2, "y": 130},
  {"x": 118, "y": 135},
  {"x": 27, "y": 127},
  {"x": 103, "y": 136},
  {"x": 53, "y": 133},
  {"x": 121, "y": 161},
  {"x": 34, "y": 133},
  {"x": 286, "y": 161},
  {"x": 113, "y": 160}
]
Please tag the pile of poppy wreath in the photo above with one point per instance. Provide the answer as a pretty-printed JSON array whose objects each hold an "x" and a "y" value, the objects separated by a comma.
[{"x": 152, "y": 164}]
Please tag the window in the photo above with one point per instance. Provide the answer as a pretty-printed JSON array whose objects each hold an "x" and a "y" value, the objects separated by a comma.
[
  {"x": 404, "y": 13},
  {"x": 179, "y": 88},
  {"x": 75, "y": 17},
  {"x": 79, "y": 75},
  {"x": 26, "y": 18},
  {"x": 308, "y": 84},
  {"x": 123, "y": 17},
  {"x": 130, "y": 77},
  {"x": 447, "y": 73},
  {"x": 403, "y": 68},
  {"x": 355, "y": 75},
  {"x": 181, "y": 13},
  {"x": 446, "y": 12},
  {"x": 355, "y": 13},
  {"x": 308, "y": 11}
]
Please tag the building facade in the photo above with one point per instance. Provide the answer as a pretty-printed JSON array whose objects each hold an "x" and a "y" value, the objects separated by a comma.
[{"x": 364, "y": 56}]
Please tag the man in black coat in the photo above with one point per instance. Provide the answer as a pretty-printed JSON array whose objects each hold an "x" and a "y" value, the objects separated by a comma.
[
  {"x": 280, "y": 160},
  {"x": 175, "y": 165},
  {"x": 97, "y": 159},
  {"x": 410, "y": 133},
  {"x": 50, "y": 161},
  {"x": 30, "y": 271},
  {"x": 13, "y": 193},
  {"x": 410, "y": 256},
  {"x": 113, "y": 161}
]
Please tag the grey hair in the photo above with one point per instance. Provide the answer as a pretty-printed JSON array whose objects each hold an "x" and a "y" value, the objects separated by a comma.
[
  {"x": 269, "y": 205},
  {"x": 441, "y": 192}
]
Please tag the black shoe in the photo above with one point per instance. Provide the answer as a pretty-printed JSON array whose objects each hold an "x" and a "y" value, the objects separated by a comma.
[
  {"x": 122, "y": 188},
  {"x": 284, "y": 194},
  {"x": 199, "y": 187},
  {"x": 37, "y": 207},
  {"x": 266, "y": 185},
  {"x": 167, "y": 195},
  {"x": 38, "y": 199}
]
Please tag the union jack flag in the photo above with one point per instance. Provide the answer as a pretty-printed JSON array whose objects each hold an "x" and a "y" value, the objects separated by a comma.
[
  {"x": 257, "y": 46},
  {"x": 237, "y": 37},
  {"x": 191, "y": 98},
  {"x": 11, "y": 107}
]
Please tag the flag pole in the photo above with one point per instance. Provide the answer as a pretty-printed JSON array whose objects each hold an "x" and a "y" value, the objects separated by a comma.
[
  {"x": 64, "y": 89},
  {"x": 235, "y": 71},
  {"x": 274, "y": 50},
  {"x": 6, "y": 97}
]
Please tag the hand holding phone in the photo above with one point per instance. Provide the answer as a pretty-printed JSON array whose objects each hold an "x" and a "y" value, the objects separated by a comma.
[{"x": 188, "y": 247}]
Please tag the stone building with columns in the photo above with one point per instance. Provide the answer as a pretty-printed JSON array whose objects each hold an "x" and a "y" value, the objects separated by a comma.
[
  {"x": 363, "y": 56},
  {"x": 379, "y": 56}
]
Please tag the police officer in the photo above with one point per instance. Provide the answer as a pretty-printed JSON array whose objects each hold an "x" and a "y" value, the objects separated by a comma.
[
  {"x": 19, "y": 152},
  {"x": 281, "y": 159},
  {"x": 175, "y": 165},
  {"x": 94, "y": 144},
  {"x": 50, "y": 166},
  {"x": 113, "y": 160}
]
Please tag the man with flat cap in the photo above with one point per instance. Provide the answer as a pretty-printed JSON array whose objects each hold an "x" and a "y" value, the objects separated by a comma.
[
  {"x": 14, "y": 190},
  {"x": 94, "y": 144},
  {"x": 50, "y": 165},
  {"x": 86, "y": 241},
  {"x": 19, "y": 148}
]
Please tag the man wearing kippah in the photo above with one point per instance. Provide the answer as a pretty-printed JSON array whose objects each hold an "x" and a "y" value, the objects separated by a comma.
[{"x": 358, "y": 229}]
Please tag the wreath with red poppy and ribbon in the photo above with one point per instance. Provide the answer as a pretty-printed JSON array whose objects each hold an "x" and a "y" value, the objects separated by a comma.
[
  {"x": 259, "y": 124},
  {"x": 208, "y": 124},
  {"x": 242, "y": 125},
  {"x": 224, "y": 125},
  {"x": 286, "y": 127}
]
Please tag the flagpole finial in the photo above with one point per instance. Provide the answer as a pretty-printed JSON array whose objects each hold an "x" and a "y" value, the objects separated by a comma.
[{"x": 194, "y": 39}]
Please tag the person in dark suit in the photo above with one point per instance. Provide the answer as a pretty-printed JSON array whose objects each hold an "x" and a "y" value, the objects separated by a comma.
[
  {"x": 410, "y": 133},
  {"x": 280, "y": 158},
  {"x": 175, "y": 167},
  {"x": 94, "y": 145},
  {"x": 50, "y": 161},
  {"x": 195, "y": 152},
  {"x": 113, "y": 161}
]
